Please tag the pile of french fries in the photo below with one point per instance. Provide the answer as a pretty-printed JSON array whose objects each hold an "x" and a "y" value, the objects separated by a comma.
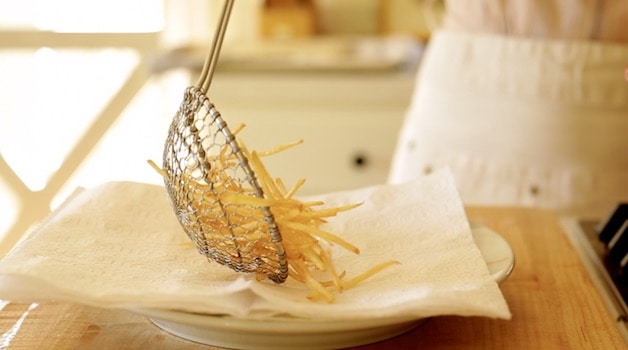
[{"x": 307, "y": 246}]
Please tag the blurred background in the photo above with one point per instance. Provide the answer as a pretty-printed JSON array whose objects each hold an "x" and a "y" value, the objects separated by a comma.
[{"x": 88, "y": 89}]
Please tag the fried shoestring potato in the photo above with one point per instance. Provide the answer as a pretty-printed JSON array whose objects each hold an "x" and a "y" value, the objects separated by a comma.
[{"x": 307, "y": 246}]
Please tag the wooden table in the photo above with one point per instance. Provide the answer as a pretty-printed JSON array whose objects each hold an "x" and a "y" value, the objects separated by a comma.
[{"x": 552, "y": 299}]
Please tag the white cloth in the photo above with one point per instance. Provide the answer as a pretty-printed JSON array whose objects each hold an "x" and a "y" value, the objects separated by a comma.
[
  {"x": 521, "y": 121},
  {"x": 120, "y": 245},
  {"x": 566, "y": 19}
]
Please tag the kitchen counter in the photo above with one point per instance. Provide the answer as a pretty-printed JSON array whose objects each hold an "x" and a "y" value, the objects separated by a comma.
[{"x": 553, "y": 301}]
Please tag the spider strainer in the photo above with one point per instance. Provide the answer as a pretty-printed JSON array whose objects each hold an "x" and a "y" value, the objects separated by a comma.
[{"x": 203, "y": 162}]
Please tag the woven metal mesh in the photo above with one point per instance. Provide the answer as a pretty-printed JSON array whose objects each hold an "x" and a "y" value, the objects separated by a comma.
[{"x": 204, "y": 163}]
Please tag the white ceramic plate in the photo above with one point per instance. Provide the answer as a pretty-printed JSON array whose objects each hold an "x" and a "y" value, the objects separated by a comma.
[{"x": 296, "y": 333}]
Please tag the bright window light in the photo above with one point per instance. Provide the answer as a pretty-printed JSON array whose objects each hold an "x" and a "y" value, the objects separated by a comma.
[
  {"x": 87, "y": 16},
  {"x": 50, "y": 97}
]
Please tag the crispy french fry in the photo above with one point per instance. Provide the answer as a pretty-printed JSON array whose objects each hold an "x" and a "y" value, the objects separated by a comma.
[
  {"x": 298, "y": 222},
  {"x": 365, "y": 275}
]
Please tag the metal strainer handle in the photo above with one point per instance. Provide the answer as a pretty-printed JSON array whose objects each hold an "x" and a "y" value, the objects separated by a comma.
[{"x": 209, "y": 66}]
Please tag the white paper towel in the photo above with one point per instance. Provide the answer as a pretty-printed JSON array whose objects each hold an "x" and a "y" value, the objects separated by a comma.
[{"x": 120, "y": 245}]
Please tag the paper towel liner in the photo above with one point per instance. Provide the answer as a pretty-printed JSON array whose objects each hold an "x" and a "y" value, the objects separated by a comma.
[{"x": 119, "y": 245}]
